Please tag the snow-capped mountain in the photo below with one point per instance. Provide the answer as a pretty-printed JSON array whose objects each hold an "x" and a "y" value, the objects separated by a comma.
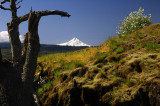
[{"x": 73, "y": 42}]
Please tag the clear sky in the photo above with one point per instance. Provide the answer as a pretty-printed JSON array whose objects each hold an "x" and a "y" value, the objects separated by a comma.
[{"x": 91, "y": 21}]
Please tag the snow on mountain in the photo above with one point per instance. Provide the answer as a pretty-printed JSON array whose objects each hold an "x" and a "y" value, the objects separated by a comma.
[{"x": 73, "y": 42}]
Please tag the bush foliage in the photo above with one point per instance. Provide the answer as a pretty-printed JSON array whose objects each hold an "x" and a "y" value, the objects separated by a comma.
[{"x": 134, "y": 21}]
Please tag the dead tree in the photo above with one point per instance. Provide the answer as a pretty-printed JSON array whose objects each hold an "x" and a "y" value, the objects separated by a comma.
[{"x": 19, "y": 88}]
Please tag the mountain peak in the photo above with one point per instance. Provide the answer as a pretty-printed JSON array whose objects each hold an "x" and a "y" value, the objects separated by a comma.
[
  {"x": 74, "y": 42},
  {"x": 74, "y": 39}
]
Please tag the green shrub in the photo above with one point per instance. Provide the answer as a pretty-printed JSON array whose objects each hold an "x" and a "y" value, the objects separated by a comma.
[{"x": 134, "y": 21}]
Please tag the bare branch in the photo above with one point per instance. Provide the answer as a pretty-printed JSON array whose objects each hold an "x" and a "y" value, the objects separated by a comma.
[
  {"x": 4, "y": 1},
  {"x": 18, "y": 7},
  {"x": 45, "y": 13},
  {"x": 31, "y": 9},
  {"x": 23, "y": 18},
  {"x": 19, "y": 2},
  {"x": 4, "y": 8},
  {"x": 54, "y": 12}
]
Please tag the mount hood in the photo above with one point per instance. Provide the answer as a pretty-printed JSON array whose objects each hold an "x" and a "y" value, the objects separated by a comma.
[{"x": 74, "y": 42}]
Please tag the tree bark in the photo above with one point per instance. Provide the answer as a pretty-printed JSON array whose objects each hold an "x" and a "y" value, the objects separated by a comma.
[
  {"x": 31, "y": 58},
  {"x": 13, "y": 31}
]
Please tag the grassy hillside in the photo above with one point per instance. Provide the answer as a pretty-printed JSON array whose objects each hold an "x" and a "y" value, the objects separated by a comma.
[
  {"x": 122, "y": 71},
  {"x": 44, "y": 49}
]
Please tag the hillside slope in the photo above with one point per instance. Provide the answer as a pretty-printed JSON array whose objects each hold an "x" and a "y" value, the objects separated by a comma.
[
  {"x": 122, "y": 71},
  {"x": 44, "y": 49}
]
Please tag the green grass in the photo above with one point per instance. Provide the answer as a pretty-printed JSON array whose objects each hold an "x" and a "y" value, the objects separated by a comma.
[
  {"x": 151, "y": 46},
  {"x": 67, "y": 66},
  {"x": 148, "y": 45},
  {"x": 72, "y": 65},
  {"x": 119, "y": 50},
  {"x": 115, "y": 43},
  {"x": 45, "y": 86},
  {"x": 39, "y": 91},
  {"x": 140, "y": 35},
  {"x": 62, "y": 62},
  {"x": 128, "y": 82},
  {"x": 101, "y": 72},
  {"x": 154, "y": 33},
  {"x": 57, "y": 72},
  {"x": 78, "y": 64},
  {"x": 99, "y": 57},
  {"x": 137, "y": 46},
  {"x": 122, "y": 61}
]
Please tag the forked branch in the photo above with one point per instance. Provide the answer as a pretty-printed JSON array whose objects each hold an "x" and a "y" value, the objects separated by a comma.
[
  {"x": 19, "y": 2},
  {"x": 18, "y": 7},
  {"x": 4, "y": 1},
  {"x": 4, "y": 8}
]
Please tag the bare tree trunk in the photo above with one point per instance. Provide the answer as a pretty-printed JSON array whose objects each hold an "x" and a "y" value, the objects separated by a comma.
[
  {"x": 13, "y": 32},
  {"x": 31, "y": 58}
]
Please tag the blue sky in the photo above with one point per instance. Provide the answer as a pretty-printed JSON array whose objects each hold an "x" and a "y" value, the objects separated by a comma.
[{"x": 91, "y": 21}]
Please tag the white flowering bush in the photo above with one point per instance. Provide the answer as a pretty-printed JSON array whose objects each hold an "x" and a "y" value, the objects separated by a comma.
[{"x": 134, "y": 21}]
